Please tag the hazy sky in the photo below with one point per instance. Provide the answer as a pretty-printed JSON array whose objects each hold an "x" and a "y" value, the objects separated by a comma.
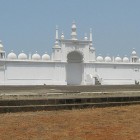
[{"x": 29, "y": 25}]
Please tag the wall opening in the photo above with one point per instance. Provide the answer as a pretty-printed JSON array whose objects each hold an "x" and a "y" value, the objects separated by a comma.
[
  {"x": 74, "y": 57},
  {"x": 74, "y": 68}
]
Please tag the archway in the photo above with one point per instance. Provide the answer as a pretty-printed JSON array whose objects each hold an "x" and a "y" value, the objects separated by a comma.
[
  {"x": 74, "y": 57},
  {"x": 74, "y": 68}
]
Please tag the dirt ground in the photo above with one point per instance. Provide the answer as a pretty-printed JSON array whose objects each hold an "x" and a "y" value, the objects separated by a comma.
[{"x": 111, "y": 123}]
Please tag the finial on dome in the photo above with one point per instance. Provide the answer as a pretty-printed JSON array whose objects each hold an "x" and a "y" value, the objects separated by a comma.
[{"x": 73, "y": 34}]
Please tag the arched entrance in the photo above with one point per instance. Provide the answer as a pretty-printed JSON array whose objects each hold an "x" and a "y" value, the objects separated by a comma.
[{"x": 74, "y": 68}]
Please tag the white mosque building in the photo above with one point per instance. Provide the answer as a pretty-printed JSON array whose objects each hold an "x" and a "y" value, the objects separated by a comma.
[{"x": 73, "y": 62}]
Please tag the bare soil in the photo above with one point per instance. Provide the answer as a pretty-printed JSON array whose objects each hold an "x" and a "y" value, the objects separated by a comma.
[{"x": 112, "y": 123}]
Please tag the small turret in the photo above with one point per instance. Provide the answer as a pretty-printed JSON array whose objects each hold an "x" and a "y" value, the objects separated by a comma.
[
  {"x": 134, "y": 57},
  {"x": 62, "y": 36}
]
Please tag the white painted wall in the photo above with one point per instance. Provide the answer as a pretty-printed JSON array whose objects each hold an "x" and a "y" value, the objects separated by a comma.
[
  {"x": 17, "y": 72},
  {"x": 34, "y": 73},
  {"x": 114, "y": 73}
]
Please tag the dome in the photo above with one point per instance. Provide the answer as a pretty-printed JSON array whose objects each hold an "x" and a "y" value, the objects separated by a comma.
[
  {"x": 126, "y": 59},
  {"x": 100, "y": 58},
  {"x": 139, "y": 59},
  {"x": 73, "y": 26},
  {"x": 134, "y": 52},
  {"x": 45, "y": 57},
  {"x": 36, "y": 56},
  {"x": 118, "y": 59},
  {"x": 22, "y": 56},
  {"x": 107, "y": 59},
  {"x": 85, "y": 38},
  {"x": 12, "y": 55},
  {"x": 62, "y": 36}
]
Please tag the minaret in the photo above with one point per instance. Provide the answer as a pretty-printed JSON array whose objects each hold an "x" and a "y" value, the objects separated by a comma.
[
  {"x": 56, "y": 38},
  {"x": 56, "y": 55},
  {"x": 90, "y": 36},
  {"x": 56, "y": 33},
  {"x": 73, "y": 34},
  {"x": 2, "y": 53},
  {"x": 91, "y": 49},
  {"x": 1, "y": 46}
]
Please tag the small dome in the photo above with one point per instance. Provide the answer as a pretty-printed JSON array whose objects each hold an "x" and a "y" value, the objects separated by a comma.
[
  {"x": 100, "y": 58},
  {"x": 36, "y": 56},
  {"x": 12, "y": 55},
  {"x": 22, "y": 56},
  {"x": 73, "y": 26},
  {"x": 62, "y": 36},
  {"x": 85, "y": 38},
  {"x": 118, "y": 59},
  {"x": 1, "y": 46},
  {"x": 126, "y": 59},
  {"x": 45, "y": 57},
  {"x": 134, "y": 52},
  {"x": 107, "y": 59}
]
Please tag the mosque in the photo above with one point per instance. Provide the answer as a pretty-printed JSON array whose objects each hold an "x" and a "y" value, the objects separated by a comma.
[{"x": 72, "y": 62}]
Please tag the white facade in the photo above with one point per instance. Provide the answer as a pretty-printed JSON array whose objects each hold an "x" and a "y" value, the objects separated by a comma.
[{"x": 73, "y": 62}]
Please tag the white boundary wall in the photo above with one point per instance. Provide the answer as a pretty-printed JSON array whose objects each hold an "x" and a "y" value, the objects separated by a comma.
[{"x": 17, "y": 72}]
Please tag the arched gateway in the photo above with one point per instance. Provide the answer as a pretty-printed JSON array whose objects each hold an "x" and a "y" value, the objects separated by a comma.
[{"x": 74, "y": 68}]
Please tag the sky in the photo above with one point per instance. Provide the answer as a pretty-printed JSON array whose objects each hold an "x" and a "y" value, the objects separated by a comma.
[{"x": 29, "y": 25}]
